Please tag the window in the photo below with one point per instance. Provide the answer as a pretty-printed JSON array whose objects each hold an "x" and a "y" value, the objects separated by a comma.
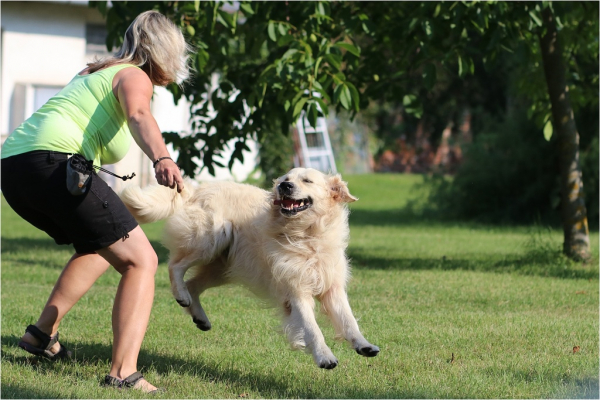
[
  {"x": 41, "y": 94},
  {"x": 95, "y": 39},
  {"x": 26, "y": 99}
]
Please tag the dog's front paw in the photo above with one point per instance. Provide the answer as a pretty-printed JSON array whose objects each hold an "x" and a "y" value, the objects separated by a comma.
[
  {"x": 325, "y": 359},
  {"x": 369, "y": 350}
]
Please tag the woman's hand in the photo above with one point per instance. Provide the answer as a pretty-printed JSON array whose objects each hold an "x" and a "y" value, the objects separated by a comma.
[{"x": 168, "y": 174}]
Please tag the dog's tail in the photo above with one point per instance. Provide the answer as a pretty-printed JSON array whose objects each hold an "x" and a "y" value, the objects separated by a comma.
[{"x": 154, "y": 202}]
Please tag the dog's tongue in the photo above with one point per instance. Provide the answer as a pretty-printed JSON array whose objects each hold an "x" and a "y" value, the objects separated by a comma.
[{"x": 287, "y": 203}]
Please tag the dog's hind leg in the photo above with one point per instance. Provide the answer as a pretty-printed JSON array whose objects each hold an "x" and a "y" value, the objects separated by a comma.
[
  {"x": 208, "y": 276},
  {"x": 208, "y": 248},
  {"x": 334, "y": 303},
  {"x": 177, "y": 270},
  {"x": 301, "y": 328}
]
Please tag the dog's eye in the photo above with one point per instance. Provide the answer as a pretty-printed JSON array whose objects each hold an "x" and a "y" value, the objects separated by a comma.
[{"x": 306, "y": 180}]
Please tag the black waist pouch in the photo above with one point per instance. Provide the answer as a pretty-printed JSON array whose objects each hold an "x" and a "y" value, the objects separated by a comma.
[{"x": 79, "y": 174}]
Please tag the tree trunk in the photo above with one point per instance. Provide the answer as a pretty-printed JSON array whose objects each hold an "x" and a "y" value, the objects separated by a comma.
[{"x": 573, "y": 211}]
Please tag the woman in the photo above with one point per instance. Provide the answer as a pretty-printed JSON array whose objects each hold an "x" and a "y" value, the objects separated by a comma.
[{"x": 94, "y": 116}]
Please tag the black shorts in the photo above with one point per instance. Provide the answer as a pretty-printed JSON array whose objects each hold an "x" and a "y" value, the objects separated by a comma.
[{"x": 34, "y": 185}]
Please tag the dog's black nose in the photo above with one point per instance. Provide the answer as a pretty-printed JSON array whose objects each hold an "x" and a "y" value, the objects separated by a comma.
[{"x": 286, "y": 188}]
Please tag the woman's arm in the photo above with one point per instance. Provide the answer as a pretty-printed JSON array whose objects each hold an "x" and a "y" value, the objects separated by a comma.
[{"x": 134, "y": 91}]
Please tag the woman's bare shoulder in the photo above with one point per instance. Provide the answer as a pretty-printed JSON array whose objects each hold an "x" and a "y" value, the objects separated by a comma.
[
  {"x": 133, "y": 74},
  {"x": 132, "y": 82}
]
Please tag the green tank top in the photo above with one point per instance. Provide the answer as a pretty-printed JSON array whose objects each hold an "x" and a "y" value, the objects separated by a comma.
[{"x": 84, "y": 117}]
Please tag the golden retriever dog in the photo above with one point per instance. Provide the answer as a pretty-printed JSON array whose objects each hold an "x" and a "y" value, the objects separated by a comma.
[{"x": 286, "y": 245}]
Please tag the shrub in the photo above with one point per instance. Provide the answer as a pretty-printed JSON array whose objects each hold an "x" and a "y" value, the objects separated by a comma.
[{"x": 509, "y": 174}]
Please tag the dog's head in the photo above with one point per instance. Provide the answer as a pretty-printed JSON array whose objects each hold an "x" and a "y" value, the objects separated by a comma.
[{"x": 304, "y": 189}]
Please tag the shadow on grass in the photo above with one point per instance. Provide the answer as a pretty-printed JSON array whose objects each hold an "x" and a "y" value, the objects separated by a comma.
[
  {"x": 273, "y": 386},
  {"x": 531, "y": 263},
  {"x": 400, "y": 216},
  {"x": 538, "y": 261},
  {"x": 24, "y": 246},
  {"x": 268, "y": 386},
  {"x": 20, "y": 250}
]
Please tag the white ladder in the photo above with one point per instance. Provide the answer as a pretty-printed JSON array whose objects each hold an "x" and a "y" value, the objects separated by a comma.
[{"x": 315, "y": 147}]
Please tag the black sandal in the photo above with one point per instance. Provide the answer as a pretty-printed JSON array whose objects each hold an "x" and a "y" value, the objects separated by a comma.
[
  {"x": 47, "y": 342},
  {"x": 127, "y": 383}
]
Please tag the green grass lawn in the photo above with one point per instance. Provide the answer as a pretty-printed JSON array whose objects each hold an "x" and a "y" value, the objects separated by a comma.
[{"x": 459, "y": 311}]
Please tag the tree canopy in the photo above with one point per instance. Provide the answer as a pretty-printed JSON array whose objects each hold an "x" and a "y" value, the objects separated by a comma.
[
  {"x": 258, "y": 65},
  {"x": 275, "y": 59}
]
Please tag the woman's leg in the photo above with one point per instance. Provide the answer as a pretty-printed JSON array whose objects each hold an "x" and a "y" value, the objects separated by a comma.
[
  {"x": 77, "y": 277},
  {"x": 137, "y": 262}
]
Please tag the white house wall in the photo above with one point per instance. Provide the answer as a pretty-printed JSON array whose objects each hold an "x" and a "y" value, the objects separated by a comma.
[{"x": 43, "y": 43}]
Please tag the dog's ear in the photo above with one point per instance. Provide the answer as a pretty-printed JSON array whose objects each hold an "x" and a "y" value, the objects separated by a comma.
[{"x": 339, "y": 190}]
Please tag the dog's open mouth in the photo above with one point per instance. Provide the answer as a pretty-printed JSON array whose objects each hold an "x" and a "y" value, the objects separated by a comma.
[{"x": 291, "y": 206}]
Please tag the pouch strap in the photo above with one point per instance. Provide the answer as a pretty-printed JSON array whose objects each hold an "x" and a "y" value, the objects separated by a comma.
[{"x": 124, "y": 177}]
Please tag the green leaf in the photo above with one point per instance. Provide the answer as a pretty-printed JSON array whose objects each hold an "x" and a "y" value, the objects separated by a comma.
[
  {"x": 271, "y": 30},
  {"x": 336, "y": 94},
  {"x": 306, "y": 46},
  {"x": 317, "y": 62},
  {"x": 262, "y": 97},
  {"x": 226, "y": 19},
  {"x": 312, "y": 114},
  {"x": 247, "y": 8},
  {"x": 309, "y": 61},
  {"x": 284, "y": 40},
  {"x": 266, "y": 71},
  {"x": 354, "y": 95},
  {"x": 535, "y": 17},
  {"x": 282, "y": 29},
  {"x": 188, "y": 8},
  {"x": 323, "y": 106},
  {"x": 201, "y": 60},
  {"x": 349, "y": 47},
  {"x": 461, "y": 71},
  {"x": 213, "y": 17},
  {"x": 408, "y": 99},
  {"x": 334, "y": 60},
  {"x": 346, "y": 97},
  {"x": 413, "y": 24},
  {"x": 297, "y": 96},
  {"x": 548, "y": 130},
  {"x": 190, "y": 30},
  {"x": 298, "y": 107},
  {"x": 339, "y": 78},
  {"x": 321, "y": 8},
  {"x": 289, "y": 53},
  {"x": 479, "y": 28}
]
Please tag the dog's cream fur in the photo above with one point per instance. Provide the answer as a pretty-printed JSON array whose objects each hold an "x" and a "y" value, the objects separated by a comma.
[{"x": 235, "y": 233}]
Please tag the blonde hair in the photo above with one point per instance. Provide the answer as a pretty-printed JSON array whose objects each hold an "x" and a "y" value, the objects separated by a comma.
[{"x": 153, "y": 43}]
